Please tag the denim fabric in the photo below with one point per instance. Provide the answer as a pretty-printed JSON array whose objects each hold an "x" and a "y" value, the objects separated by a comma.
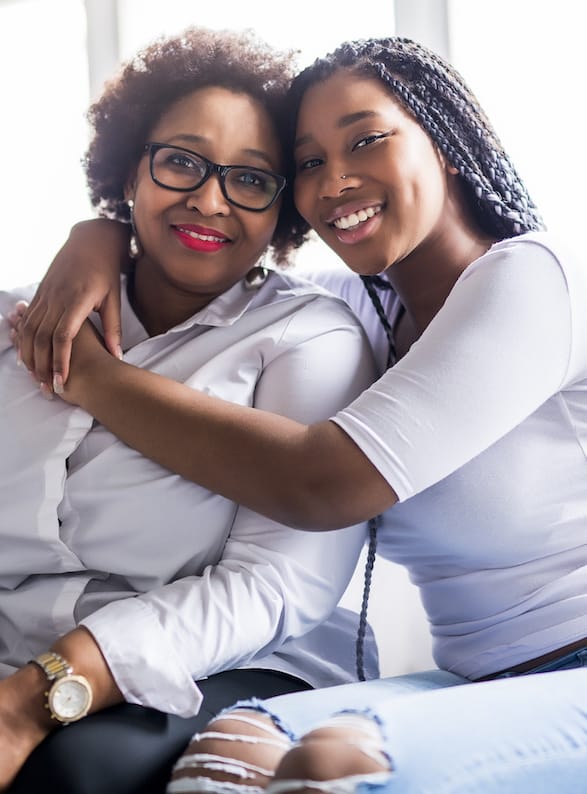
[{"x": 519, "y": 735}]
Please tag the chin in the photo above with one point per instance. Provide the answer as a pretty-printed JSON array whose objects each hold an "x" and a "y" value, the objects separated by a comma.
[{"x": 363, "y": 268}]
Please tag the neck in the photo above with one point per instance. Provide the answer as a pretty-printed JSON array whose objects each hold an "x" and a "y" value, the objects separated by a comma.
[
  {"x": 158, "y": 304},
  {"x": 424, "y": 279}
]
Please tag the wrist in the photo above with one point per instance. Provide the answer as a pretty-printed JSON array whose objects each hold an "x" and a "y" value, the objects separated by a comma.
[
  {"x": 68, "y": 695},
  {"x": 85, "y": 385},
  {"x": 23, "y": 703},
  {"x": 90, "y": 370}
]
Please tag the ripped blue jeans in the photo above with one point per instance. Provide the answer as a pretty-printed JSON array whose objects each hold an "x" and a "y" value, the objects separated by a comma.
[{"x": 524, "y": 734}]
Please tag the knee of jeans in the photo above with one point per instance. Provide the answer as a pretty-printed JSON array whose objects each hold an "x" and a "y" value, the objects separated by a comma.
[
  {"x": 237, "y": 752},
  {"x": 343, "y": 749}
]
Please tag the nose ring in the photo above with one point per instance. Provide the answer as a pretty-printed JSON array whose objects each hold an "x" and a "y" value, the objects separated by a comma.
[{"x": 343, "y": 176}]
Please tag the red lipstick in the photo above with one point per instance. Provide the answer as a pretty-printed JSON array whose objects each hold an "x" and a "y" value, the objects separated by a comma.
[{"x": 200, "y": 238}]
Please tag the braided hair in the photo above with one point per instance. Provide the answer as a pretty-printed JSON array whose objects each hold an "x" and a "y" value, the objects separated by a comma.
[{"x": 436, "y": 96}]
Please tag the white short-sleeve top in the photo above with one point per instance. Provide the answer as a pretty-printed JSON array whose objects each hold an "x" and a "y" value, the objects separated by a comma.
[{"x": 481, "y": 430}]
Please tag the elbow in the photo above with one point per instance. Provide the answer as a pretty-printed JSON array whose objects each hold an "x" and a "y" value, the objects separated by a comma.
[
  {"x": 315, "y": 502},
  {"x": 335, "y": 485}
]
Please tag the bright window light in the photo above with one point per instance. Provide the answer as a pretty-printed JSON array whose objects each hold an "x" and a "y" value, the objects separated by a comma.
[
  {"x": 43, "y": 132},
  {"x": 527, "y": 69},
  {"x": 314, "y": 28}
]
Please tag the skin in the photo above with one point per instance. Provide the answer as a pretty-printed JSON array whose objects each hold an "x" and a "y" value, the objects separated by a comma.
[
  {"x": 171, "y": 283},
  {"x": 325, "y": 753},
  {"x": 423, "y": 237}
]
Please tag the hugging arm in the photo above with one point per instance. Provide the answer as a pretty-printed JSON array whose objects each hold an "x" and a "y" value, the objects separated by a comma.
[
  {"x": 83, "y": 277},
  {"x": 190, "y": 429},
  {"x": 311, "y": 476},
  {"x": 321, "y": 475}
]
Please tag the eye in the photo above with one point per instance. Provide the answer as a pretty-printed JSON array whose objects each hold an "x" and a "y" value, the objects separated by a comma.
[
  {"x": 309, "y": 164},
  {"x": 180, "y": 160},
  {"x": 368, "y": 140},
  {"x": 252, "y": 178}
]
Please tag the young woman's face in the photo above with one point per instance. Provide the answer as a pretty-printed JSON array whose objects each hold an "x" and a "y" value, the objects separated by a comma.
[
  {"x": 197, "y": 242},
  {"x": 368, "y": 178}
]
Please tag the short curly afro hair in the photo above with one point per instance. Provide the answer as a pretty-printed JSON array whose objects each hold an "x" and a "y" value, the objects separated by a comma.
[{"x": 157, "y": 77}]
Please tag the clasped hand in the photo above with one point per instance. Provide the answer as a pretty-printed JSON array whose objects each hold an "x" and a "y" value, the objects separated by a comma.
[{"x": 87, "y": 351}]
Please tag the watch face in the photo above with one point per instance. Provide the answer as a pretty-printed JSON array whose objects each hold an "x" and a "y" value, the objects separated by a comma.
[{"x": 70, "y": 698}]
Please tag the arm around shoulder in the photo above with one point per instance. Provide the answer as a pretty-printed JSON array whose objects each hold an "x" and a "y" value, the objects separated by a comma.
[{"x": 313, "y": 475}]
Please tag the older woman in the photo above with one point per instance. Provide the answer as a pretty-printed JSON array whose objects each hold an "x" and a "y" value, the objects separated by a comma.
[{"x": 126, "y": 592}]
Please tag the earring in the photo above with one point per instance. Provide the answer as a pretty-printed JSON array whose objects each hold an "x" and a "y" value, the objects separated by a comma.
[
  {"x": 134, "y": 246},
  {"x": 257, "y": 275}
]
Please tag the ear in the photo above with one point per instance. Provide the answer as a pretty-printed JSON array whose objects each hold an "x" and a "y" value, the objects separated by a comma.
[
  {"x": 130, "y": 188},
  {"x": 450, "y": 169}
]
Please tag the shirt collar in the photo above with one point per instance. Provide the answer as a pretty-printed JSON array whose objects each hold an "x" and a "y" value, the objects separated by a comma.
[{"x": 224, "y": 310}]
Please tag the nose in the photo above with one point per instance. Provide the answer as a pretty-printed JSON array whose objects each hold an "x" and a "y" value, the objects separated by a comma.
[
  {"x": 335, "y": 181},
  {"x": 208, "y": 199}
]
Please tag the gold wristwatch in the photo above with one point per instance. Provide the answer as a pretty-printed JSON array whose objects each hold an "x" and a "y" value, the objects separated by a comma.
[{"x": 70, "y": 696}]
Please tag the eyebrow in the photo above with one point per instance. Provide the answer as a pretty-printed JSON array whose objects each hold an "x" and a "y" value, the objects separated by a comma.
[
  {"x": 197, "y": 139},
  {"x": 343, "y": 121}
]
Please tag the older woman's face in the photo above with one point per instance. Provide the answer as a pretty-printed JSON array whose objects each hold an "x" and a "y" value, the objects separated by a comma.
[
  {"x": 197, "y": 242},
  {"x": 368, "y": 178}
]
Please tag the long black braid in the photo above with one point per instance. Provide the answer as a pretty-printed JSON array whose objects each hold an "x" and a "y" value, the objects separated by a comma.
[
  {"x": 371, "y": 284},
  {"x": 368, "y": 575}
]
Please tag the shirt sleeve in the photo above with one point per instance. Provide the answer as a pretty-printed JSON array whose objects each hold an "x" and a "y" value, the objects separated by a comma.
[
  {"x": 273, "y": 583},
  {"x": 499, "y": 347}
]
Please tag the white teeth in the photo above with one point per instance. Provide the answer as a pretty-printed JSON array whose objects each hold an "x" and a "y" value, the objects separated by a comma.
[
  {"x": 206, "y": 237},
  {"x": 355, "y": 218}
]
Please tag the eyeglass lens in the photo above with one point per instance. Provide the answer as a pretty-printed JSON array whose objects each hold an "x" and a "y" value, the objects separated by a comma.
[{"x": 182, "y": 170}]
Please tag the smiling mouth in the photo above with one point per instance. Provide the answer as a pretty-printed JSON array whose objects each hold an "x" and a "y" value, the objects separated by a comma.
[
  {"x": 207, "y": 238},
  {"x": 355, "y": 218}
]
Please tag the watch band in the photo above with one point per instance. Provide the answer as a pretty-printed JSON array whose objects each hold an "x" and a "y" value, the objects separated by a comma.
[{"x": 53, "y": 665}]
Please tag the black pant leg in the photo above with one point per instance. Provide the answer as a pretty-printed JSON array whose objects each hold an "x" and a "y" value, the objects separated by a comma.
[{"x": 129, "y": 749}]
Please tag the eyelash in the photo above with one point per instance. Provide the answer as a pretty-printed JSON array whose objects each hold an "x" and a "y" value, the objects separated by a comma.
[
  {"x": 368, "y": 139},
  {"x": 365, "y": 141}
]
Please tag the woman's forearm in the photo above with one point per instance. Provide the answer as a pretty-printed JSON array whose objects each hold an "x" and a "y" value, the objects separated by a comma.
[
  {"x": 305, "y": 476},
  {"x": 24, "y": 720}
]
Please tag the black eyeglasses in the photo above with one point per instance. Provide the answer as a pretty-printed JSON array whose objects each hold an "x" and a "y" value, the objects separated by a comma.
[{"x": 176, "y": 168}]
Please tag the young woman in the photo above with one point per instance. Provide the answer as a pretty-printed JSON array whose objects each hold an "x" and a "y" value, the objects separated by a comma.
[
  {"x": 472, "y": 442},
  {"x": 141, "y": 598}
]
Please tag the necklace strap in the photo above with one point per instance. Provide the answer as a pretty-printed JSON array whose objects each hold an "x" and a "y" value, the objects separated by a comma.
[{"x": 371, "y": 284}]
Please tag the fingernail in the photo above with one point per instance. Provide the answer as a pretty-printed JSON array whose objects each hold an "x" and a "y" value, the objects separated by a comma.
[
  {"x": 45, "y": 391},
  {"x": 119, "y": 352},
  {"x": 58, "y": 383}
]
